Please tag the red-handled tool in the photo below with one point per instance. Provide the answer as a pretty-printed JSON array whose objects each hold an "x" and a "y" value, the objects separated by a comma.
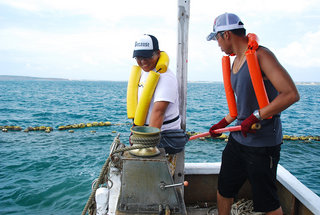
[{"x": 227, "y": 129}]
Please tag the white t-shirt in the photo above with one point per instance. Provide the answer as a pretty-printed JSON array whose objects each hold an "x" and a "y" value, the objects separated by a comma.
[{"x": 166, "y": 90}]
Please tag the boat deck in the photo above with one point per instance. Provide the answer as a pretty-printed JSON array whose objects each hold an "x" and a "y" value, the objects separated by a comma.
[{"x": 201, "y": 211}]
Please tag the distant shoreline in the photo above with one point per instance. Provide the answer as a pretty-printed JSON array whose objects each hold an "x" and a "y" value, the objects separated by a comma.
[
  {"x": 30, "y": 78},
  {"x": 23, "y": 78},
  {"x": 307, "y": 83}
]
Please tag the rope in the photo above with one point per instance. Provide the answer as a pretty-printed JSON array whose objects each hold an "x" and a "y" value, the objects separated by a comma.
[
  {"x": 143, "y": 141},
  {"x": 60, "y": 128},
  {"x": 105, "y": 168},
  {"x": 243, "y": 207},
  {"x": 48, "y": 129}
]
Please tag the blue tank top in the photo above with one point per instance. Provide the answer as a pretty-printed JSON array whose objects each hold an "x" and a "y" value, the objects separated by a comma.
[{"x": 270, "y": 133}]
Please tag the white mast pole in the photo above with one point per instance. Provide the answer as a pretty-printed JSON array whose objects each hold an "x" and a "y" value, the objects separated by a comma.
[{"x": 182, "y": 56}]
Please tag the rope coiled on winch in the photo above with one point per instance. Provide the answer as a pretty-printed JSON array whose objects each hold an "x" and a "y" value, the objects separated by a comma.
[{"x": 154, "y": 140}]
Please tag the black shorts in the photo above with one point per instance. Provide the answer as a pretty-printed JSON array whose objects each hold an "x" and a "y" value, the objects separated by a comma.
[{"x": 258, "y": 165}]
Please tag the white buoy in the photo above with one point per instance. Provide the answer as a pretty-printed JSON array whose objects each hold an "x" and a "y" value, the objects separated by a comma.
[{"x": 102, "y": 200}]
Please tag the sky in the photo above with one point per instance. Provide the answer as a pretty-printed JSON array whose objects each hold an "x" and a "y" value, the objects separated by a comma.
[{"x": 94, "y": 40}]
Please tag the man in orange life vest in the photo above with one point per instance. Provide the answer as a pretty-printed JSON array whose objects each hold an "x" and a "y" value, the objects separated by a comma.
[{"x": 251, "y": 154}]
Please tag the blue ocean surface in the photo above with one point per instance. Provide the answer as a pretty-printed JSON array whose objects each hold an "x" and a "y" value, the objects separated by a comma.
[{"x": 51, "y": 173}]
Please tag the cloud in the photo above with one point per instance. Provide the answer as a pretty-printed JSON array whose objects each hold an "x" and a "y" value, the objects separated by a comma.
[
  {"x": 104, "y": 10},
  {"x": 90, "y": 48},
  {"x": 106, "y": 54},
  {"x": 94, "y": 39},
  {"x": 302, "y": 53},
  {"x": 249, "y": 7}
]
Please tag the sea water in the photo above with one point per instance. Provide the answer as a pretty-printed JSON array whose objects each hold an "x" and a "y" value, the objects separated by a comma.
[{"x": 51, "y": 173}]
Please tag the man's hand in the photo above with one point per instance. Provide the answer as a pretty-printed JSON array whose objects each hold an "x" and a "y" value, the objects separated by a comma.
[
  {"x": 247, "y": 124},
  {"x": 222, "y": 124}
]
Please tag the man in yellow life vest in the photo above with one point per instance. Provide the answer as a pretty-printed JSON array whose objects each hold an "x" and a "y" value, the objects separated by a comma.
[
  {"x": 162, "y": 109},
  {"x": 250, "y": 154}
]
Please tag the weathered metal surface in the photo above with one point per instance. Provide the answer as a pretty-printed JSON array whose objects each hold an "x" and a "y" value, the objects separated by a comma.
[{"x": 141, "y": 191}]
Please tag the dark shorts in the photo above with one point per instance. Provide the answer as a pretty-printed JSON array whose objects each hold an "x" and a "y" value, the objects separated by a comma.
[{"x": 258, "y": 165}]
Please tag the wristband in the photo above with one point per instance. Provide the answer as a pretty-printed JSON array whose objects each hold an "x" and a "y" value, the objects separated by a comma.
[{"x": 257, "y": 114}]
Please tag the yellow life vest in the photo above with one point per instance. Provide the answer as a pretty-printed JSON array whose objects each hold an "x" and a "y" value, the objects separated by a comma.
[{"x": 139, "y": 110}]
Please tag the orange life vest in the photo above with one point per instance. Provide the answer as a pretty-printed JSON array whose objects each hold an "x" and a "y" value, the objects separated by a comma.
[{"x": 255, "y": 74}]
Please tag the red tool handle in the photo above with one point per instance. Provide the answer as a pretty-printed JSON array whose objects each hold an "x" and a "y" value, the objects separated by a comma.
[
  {"x": 199, "y": 135},
  {"x": 222, "y": 130}
]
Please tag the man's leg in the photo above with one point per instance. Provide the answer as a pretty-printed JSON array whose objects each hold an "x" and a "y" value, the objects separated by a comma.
[
  {"x": 231, "y": 176},
  {"x": 275, "y": 212},
  {"x": 224, "y": 204},
  {"x": 262, "y": 165}
]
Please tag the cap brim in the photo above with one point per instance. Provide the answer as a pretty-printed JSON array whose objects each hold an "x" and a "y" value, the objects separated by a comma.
[
  {"x": 143, "y": 53},
  {"x": 211, "y": 36}
]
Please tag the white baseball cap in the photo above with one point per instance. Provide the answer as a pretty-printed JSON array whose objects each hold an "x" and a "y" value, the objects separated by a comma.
[
  {"x": 225, "y": 22},
  {"x": 145, "y": 46}
]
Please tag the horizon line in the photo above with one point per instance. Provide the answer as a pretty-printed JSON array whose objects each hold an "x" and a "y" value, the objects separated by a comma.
[{"x": 21, "y": 77}]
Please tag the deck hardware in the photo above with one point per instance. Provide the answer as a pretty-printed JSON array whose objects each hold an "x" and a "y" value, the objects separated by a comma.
[{"x": 164, "y": 185}]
